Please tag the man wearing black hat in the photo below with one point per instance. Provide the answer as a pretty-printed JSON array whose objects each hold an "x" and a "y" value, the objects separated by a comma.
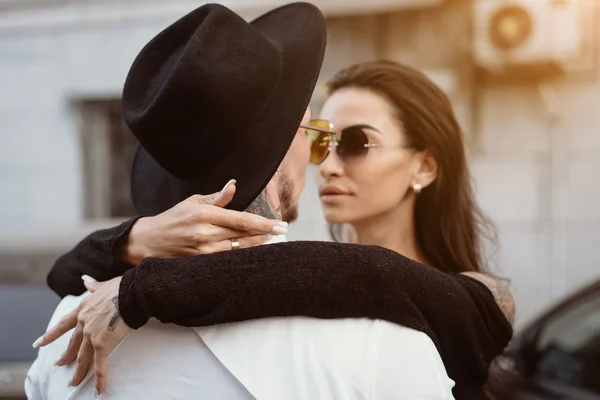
[{"x": 179, "y": 102}]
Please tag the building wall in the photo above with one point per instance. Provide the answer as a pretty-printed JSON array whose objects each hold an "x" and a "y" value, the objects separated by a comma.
[
  {"x": 537, "y": 182},
  {"x": 41, "y": 73},
  {"x": 533, "y": 160},
  {"x": 535, "y": 178}
]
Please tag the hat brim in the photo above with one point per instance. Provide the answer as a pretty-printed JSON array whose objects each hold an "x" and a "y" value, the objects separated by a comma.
[{"x": 298, "y": 31}]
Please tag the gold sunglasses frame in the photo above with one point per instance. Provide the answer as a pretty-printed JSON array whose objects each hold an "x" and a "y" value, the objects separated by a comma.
[{"x": 334, "y": 143}]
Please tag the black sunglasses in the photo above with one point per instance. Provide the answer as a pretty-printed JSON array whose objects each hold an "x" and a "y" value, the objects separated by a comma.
[{"x": 351, "y": 143}]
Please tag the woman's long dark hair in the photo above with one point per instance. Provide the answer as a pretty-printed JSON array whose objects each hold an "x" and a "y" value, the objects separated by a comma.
[{"x": 448, "y": 222}]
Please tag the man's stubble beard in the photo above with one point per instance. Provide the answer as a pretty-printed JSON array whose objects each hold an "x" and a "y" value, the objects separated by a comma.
[{"x": 287, "y": 203}]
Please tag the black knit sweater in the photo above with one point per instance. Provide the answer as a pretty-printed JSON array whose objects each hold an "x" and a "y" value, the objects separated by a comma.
[{"x": 316, "y": 279}]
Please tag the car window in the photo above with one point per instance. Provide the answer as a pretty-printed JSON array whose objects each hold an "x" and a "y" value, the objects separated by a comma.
[{"x": 569, "y": 346}]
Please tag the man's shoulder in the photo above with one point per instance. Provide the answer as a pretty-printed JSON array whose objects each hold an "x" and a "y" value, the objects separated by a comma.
[
  {"x": 164, "y": 340},
  {"x": 349, "y": 352},
  {"x": 336, "y": 339}
]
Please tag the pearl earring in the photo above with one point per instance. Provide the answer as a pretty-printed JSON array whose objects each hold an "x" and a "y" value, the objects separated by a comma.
[{"x": 416, "y": 187}]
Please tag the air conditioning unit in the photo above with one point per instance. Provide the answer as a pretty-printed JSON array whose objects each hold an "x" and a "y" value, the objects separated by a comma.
[{"x": 526, "y": 33}]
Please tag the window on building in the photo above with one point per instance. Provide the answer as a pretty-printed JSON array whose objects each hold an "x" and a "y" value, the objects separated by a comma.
[{"x": 108, "y": 148}]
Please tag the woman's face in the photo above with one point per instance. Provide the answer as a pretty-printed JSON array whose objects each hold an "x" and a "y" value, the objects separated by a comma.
[{"x": 377, "y": 183}]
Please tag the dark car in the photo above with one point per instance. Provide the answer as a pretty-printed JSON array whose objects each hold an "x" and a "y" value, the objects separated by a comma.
[{"x": 558, "y": 355}]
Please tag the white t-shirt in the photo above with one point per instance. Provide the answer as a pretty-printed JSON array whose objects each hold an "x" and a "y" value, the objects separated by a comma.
[{"x": 267, "y": 359}]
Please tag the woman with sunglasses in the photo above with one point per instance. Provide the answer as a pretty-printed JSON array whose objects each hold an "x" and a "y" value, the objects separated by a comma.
[
  {"x": 393, "y": 170},
  {"x": 393, "y": 173},
  {"x": 325, "y": 294}
]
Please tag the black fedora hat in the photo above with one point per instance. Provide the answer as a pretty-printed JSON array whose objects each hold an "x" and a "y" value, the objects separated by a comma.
[{"x": 213, "y": 97}]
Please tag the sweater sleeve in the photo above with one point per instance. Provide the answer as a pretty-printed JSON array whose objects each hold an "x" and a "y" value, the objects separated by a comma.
[
  {"x": 94, "y": 256},
  {"x": 325, "y": 280}
]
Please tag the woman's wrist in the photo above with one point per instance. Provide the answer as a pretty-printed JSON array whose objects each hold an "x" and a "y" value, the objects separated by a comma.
[{"x": 133, "y": 249}]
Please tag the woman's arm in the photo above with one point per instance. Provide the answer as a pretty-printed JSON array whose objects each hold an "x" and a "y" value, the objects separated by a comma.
[
  {"x": 197, "y": 225},
  {"x": 324, "y": 280},
  {"x": 98, "y": 255}
]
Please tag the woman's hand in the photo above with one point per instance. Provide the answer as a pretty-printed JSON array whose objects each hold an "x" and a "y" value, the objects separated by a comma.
[
  {"x": 99, "y": 329},
  {"x": 198, "y": 225}
]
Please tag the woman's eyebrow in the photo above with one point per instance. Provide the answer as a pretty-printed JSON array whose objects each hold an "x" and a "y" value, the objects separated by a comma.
[{"x": 363, "y": 126}]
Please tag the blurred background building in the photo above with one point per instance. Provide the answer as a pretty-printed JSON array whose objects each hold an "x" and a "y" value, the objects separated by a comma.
[{"x": 522, "y": 74}]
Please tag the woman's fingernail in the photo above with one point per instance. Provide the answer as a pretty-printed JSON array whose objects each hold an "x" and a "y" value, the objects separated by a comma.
[
  {"x": 231, "y": 182},
  {"x": 37, "y": 342},
  {"x": 281, "y": 223},
  {"x": 279, "y": 230},
  {"x": 88, "y": 279}
]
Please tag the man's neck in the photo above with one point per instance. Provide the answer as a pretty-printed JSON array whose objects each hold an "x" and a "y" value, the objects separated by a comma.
[{"x": 267, "y": 203}]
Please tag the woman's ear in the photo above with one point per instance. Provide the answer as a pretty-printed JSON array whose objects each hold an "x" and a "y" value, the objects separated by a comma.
[{"x": 426, "y": 169}]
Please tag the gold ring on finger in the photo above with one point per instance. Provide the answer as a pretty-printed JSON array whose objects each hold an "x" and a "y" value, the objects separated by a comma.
[{"x": 235, "y": 245}]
